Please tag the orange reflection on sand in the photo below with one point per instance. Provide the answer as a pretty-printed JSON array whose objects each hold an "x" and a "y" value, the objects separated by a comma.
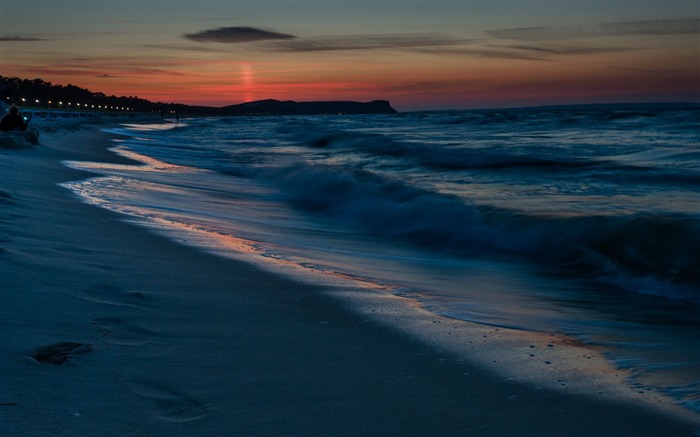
[
  {"x": 230, "y": 246},
  {"x": 147, "y": 164},
  {"x": 212, "y": 240}
]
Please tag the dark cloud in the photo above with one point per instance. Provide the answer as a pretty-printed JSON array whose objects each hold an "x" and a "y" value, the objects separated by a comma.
[
  {"x": 20, "y": 39},
  {"x": 364, "y": 42},
  {"x": 643, "y": 70},
  {"x": 428, "y": 43},
  {"x": 482, "y": 53},
  {"x": 653, "y": 27},
  {"x": 184, "y": 47},
  {"x": 541, "y": 32},
  {"x": 564, "y": 49},
  {"x": 89, "y": 70},
  {"x": 51, "y": 71},
  {"x": 155, "y": 71},
  {"x": 236, "y": 35}
]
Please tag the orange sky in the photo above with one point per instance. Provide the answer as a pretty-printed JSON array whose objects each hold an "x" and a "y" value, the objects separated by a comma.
[{"x": 418, "y": 55}]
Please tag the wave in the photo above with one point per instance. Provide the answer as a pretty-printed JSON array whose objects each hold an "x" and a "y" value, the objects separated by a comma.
[
  {"x": 457, "y": 158},
  {"x": 447, "y": 157},
  {"x": 647, "y": 253},
  {"x": 545, "y": 118}
]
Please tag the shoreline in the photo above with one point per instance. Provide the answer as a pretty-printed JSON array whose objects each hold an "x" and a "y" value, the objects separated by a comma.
[{"x": 167, "y": 338}]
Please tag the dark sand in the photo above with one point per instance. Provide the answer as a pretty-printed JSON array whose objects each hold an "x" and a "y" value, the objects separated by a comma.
[{"x": 107, "y": 329}]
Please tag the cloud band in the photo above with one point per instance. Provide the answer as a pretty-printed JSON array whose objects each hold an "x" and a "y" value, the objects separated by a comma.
[{"x": 236, "y": 35}]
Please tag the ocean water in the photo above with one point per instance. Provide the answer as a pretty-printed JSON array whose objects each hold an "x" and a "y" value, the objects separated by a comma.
[{"x": 584, "y": 221}]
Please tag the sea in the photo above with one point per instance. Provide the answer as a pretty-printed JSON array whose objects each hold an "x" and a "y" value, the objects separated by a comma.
[{"x": 577, "y": 220}]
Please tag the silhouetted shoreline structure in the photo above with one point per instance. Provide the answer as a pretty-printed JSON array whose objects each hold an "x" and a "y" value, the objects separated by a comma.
[{"x": 37, "y": 94}]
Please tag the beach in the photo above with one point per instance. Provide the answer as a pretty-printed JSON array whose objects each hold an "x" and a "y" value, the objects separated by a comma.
[{"x": 109, "y": 329}]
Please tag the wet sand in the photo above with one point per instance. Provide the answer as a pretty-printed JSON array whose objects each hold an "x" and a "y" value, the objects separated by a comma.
[{"x": 108, "y": 329}]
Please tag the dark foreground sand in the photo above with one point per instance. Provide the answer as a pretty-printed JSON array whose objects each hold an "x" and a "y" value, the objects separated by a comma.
[{"x": 107, "y": 329}]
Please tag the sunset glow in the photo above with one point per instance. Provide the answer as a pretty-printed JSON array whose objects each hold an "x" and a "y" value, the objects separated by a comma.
[{"x": 418, "y": 55}]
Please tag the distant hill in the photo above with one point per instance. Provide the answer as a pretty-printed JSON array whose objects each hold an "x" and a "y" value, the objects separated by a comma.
[{"x": 288, "y": 107}]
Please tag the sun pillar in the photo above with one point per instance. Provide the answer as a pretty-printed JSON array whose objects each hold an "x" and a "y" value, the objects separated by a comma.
[{"x": 247, "y": 82}]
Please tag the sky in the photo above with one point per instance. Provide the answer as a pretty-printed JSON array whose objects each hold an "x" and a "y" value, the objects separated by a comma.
[{"x": 419, "y": 55}]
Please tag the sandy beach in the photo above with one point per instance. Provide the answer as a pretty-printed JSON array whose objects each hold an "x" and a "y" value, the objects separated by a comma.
[{"x": 109, "y": 329}]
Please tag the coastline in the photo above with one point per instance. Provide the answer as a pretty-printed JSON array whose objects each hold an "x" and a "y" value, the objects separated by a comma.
[{"x": 167, "y": 338}]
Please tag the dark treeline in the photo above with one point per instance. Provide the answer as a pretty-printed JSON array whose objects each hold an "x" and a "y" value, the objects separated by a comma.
[{"x": 36, "y": 93}]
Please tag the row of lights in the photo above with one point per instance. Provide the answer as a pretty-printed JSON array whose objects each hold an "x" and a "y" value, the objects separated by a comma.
[{"x": 78, "y": 105}]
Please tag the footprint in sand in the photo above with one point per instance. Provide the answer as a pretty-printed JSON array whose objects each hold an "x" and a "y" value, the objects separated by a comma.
[
  {"x": 123, "y": 331},
  {"x": 171, "y": 404},
  {"x": 114, "y": 297},
  {"x": 126, "y": 323},
  {"x": 6, "y": 198},
  {"x": 60, "y": 353}
]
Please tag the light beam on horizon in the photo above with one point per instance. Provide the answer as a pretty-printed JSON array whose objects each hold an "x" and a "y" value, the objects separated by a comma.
[{"x": 247, "y": 82}]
